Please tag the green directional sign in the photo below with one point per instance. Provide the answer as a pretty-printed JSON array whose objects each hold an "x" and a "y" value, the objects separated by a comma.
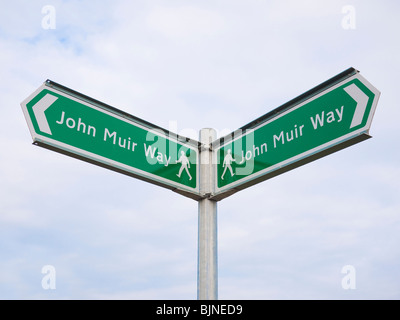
[
  {"x": 74, "y": 124},
  {"x": 335, "y": 115}
]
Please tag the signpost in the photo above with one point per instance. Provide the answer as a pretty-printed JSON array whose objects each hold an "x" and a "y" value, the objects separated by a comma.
[
  {"x": 329, "y": 117},
  {"x": 71, "y": 123}
]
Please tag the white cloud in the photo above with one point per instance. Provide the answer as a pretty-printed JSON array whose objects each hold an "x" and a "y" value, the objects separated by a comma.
[{"x": 185, "y": 23}]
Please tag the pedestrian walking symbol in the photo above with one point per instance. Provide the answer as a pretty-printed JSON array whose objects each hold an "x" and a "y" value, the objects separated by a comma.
[
  {"x": 185, "y": 164},
  {"x": 227, "y": 163}
]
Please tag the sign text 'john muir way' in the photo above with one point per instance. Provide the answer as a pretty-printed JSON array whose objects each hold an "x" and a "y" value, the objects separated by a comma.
[
  {"x": 330, "y": 117},
  {"x": 68, "y": 122}
]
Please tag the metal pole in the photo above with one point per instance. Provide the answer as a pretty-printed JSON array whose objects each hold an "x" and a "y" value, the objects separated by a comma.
[{"x": 207, "y": 274}]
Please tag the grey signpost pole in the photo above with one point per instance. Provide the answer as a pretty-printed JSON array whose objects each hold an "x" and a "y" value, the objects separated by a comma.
[{"x": 207, "y": 269}]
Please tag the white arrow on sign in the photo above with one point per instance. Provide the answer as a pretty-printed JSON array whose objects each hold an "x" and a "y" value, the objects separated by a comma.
[
  {"x": 39, "y": 108},
  {"x": 362, "y": 99}
]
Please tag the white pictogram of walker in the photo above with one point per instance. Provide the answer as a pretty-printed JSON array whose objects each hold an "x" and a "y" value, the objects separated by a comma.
[
  {"x": 227, "y": 163},
  {"x": 185, "y": 165}
]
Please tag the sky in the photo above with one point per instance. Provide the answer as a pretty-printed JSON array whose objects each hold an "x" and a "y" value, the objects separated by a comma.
[{"x": 72, "y": 230}]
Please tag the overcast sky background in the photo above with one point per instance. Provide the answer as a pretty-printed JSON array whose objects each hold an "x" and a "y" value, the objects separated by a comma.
[{"x": 187, "y": 65}]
